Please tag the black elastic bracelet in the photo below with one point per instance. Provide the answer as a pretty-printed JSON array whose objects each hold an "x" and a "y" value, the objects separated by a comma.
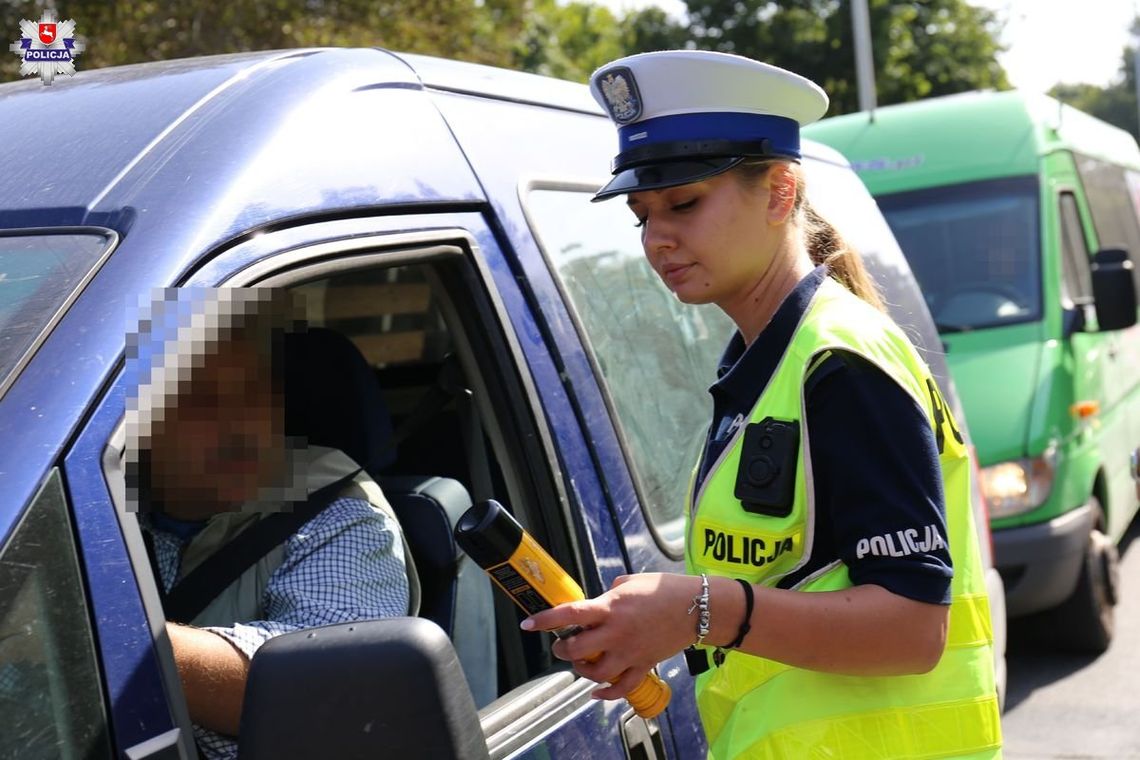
[{"x": 745, "y": 626}]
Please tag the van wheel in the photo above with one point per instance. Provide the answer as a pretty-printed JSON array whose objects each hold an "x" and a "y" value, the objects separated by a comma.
[{"x": 1084, "y": 622}]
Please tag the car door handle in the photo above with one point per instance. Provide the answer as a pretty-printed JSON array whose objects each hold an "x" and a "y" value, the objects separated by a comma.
[
  {"x": 165, "y": 746},
  {"x": 642, "y": 738}
]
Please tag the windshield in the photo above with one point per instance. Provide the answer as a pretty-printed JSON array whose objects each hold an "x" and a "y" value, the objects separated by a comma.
[
  {"x": 974, "y": 250},
  {"x": 38, "y": 273}
]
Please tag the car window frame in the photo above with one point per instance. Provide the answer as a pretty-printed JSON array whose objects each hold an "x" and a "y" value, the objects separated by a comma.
[
  {"x": 673, "y": 550},
  {"x": 1070, "y": 221},
  {"x": 53, "y": 494},
  {"x": 542, "y": 702},
  {"x": 514, "y": 711},
  {"x": 147, "y": 709},
  {"x": 111, "y": 238}
]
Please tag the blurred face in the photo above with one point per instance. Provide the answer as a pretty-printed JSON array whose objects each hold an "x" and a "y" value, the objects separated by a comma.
[{"x": 222, "y": 439}]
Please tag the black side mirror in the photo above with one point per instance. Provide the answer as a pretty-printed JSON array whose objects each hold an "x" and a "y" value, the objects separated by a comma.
[
  {"x": 379, "y": 688},
  {"x": 1114, "y": 289},
  {"x": 1075, "y": 320}
]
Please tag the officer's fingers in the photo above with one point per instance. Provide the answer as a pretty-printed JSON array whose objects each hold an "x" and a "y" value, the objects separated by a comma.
[
  {"x": 580, "y": 646},
  {"x": 583, "y": 645},
  {"x": 559, "y": 650},
  {"x": 621, "y": 579},
  {"x": 597, "y": 667},
  {"x": 583, "y": 613},
  {"x": 622, "y": 686}
]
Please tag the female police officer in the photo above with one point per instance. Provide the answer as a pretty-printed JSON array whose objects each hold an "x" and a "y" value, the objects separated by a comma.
[{"x": 832, "y": 465}]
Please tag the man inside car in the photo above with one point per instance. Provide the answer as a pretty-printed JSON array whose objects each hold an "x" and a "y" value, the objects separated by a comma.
[{"x": 208, "y": 462}]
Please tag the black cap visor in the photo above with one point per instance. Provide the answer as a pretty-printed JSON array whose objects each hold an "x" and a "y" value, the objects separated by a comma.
[{"x": 663, "y": 174}]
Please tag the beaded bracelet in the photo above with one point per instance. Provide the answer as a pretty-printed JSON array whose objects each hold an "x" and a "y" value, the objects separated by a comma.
[{"x": 701, "y": 602}]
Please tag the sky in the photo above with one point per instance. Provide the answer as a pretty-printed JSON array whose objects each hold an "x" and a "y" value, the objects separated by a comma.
[{"x": 1048, "y": 41}]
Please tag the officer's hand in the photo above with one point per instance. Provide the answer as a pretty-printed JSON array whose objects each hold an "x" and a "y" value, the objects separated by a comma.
[{"x": 638, "y": 623}]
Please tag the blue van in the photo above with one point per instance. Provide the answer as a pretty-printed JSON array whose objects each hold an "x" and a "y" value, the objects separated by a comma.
[{"x": 436, "y": 214}]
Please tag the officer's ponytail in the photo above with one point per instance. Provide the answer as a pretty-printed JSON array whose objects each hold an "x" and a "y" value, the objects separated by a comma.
[
  {"x": 823, "y": 242},
  {"x": 826, "y": 246}
]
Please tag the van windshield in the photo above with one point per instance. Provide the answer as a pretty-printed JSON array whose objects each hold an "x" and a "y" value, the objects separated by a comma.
[{"x": 974, "y": 249}]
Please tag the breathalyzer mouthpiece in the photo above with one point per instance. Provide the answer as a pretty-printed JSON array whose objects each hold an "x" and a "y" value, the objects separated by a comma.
[{"x": 488, "y": 533}]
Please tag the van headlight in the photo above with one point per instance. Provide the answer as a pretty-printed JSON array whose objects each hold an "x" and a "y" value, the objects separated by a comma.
[{"x": 1019, "y": 485}]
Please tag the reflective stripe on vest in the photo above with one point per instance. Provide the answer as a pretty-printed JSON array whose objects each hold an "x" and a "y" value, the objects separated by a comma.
[
  {"x": 900, "y": 734},
  {"x": 753, "y": 707}
]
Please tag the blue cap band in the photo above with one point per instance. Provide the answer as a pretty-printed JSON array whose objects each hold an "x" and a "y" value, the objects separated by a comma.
[{"x": 782, "y": 133}]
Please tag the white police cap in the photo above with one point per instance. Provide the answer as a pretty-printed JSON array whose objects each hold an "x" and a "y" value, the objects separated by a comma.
[{"x": 686, "y": 115}]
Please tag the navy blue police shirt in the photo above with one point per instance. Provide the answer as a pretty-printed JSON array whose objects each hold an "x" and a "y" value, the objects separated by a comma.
[{"x": 873, "y": 456}]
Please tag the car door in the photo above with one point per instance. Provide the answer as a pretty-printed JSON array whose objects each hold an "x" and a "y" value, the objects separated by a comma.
[
  {"x": 51, "y": 692},
  {"x": 1102, "y": 373},
  {"x": 78, "y": 676},
  {"x": 583, "y": 270},
  {"x": 537, "y": 461}
]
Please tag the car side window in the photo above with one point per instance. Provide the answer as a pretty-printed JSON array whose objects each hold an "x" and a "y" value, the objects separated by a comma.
[
  {"x": 40, "y": 272},
  {"x": 448, "y": 429},
  {"x": 390, "y": 314},
  {"x": 420, "y": 333},
  {"x": 656, "y": 355},
  {"x": 1111, "y": 200},
  {"x": 51, "y": 702},
  {"x": 1076, "y": 280}
]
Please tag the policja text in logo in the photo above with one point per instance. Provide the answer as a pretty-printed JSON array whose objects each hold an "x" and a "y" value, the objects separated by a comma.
[
  {"x": 743, "y": 550},
  {"x": 48, "y": 47},
  {"x": 907, "y": 542}
]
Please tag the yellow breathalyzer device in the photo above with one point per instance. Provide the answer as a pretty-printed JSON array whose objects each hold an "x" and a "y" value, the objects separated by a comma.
[{"x": 519, "y": 566}]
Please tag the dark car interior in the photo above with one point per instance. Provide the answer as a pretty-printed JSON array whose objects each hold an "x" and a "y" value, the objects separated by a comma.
[{"x": 378, "y": 373}]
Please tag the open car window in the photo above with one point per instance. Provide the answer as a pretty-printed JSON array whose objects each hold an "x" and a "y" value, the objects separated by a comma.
[{"x": 458, "y": 402}]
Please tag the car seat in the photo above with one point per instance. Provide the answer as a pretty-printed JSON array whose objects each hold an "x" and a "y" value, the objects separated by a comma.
[{"x": 332, "y": 398}]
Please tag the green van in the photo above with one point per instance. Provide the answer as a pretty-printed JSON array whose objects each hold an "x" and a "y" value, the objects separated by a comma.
[{"x": 1018, "y": 216}]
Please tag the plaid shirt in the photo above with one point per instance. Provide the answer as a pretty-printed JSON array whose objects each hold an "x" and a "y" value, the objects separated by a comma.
[{"x": 345, "y": 564}]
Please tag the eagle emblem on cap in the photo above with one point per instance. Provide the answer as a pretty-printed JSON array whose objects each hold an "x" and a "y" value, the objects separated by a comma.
[{"x": 620, "y": 91}]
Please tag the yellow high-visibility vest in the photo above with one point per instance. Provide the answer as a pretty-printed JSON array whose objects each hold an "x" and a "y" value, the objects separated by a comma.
[{"x": 752, "y": 707}]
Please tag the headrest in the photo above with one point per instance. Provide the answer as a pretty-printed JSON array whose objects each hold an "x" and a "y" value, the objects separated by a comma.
[
  {"x": 686, "y": 115},
  {"x": 332, "y": 398}
]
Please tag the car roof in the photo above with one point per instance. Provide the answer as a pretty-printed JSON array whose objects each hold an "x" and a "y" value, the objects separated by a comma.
[
  {"x": 248, "y": 128},
  {"x": 966, "y": 137},
  {"x": 114, "y": 132},
  {"x": 100, "y": 123}
]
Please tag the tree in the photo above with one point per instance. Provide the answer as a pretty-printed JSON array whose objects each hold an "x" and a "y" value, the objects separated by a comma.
[
  {"x": 128, "y": 31},
  {"x": 920, "y": 49},
  {"x": 652, "y": 29},
  {"x": 568, "y": 41},
  {"x": 923, "y": 48},
  {"x": 1116, "y": 103}
]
